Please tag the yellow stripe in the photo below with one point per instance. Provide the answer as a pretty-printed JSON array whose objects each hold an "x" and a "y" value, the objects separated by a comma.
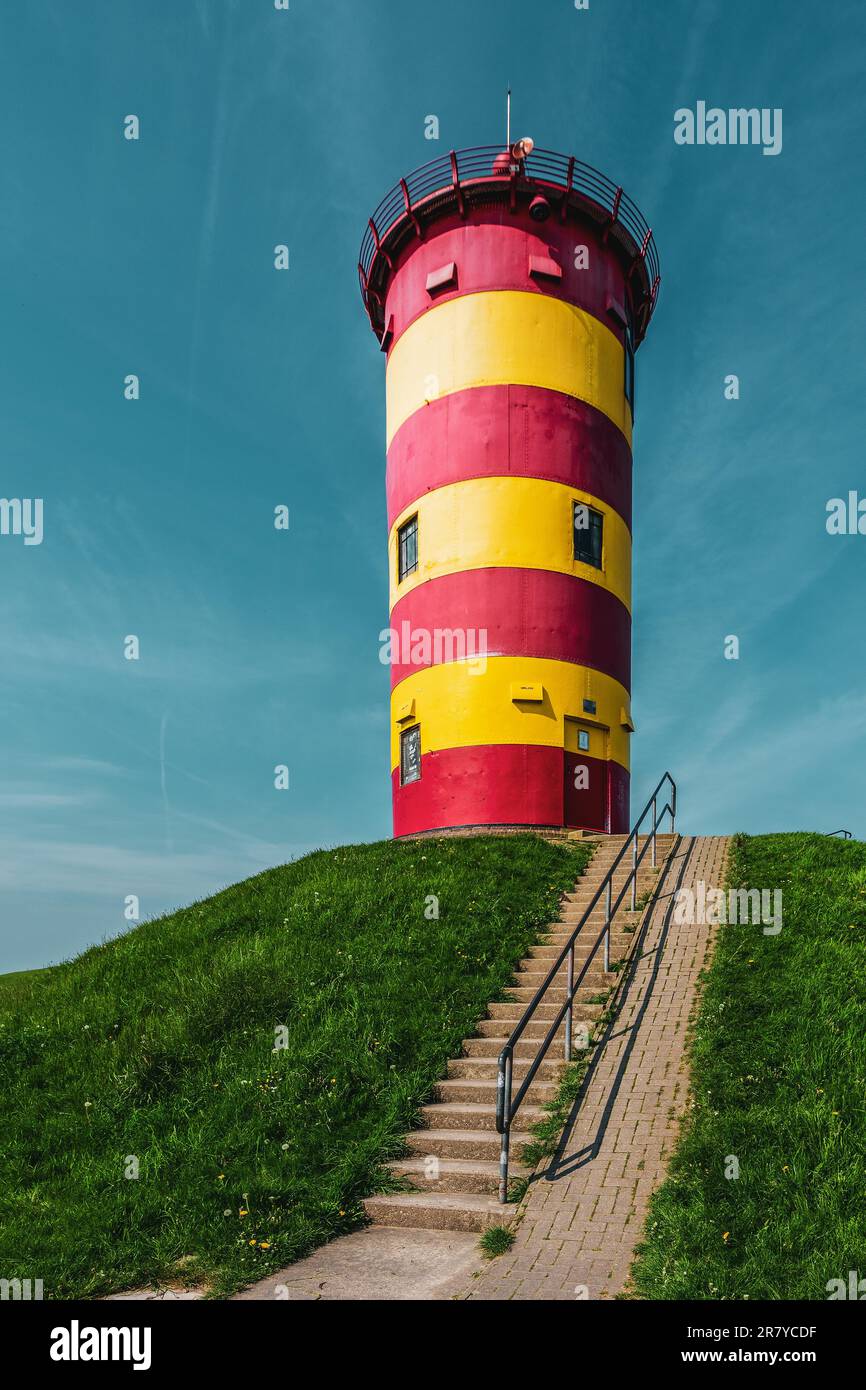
[
  {"x": 459, "y": 709},
  {"x": 522, "y": 523},
  {"x": 506, "y": 336}
]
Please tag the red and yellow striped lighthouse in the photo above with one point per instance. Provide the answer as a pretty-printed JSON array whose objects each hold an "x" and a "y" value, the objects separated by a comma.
[{"x": 510, "y": 290}]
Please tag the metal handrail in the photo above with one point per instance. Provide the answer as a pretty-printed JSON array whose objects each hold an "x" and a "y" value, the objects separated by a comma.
[
  {"x": 846, "y": 834},
  {"x": 482, "y": 164},
  {"x": 506, "y": 1108}
]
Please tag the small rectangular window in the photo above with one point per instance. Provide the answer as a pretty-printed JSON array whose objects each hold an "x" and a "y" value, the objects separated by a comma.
[
  {"x": 410, "y": 755},
  {"x": 629, "y": 366},
  {"x": 407, "y": 548},
  {"x": 588, "y": 534},
  {"x": 590, "y": 707},
  {"x": 583, "y": 740}
]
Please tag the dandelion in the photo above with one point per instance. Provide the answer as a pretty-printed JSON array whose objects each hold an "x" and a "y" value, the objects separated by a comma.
[
  {"x": 264, "y": 1245},
  {"x": 725, "y": 1235},
  {"x": 252, "y": 1242},
  {"x": 221, "y": 1177},
  {"x": 242, "y": 1211}
]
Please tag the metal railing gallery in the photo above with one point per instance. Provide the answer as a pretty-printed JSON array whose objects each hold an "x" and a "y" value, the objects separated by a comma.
[
  {"x": 507, "y": 1105},
  {"x": 465, "y": 171}
]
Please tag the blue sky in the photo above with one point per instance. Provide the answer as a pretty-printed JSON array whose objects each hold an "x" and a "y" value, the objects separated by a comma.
[{"x": 258, "y": 388}]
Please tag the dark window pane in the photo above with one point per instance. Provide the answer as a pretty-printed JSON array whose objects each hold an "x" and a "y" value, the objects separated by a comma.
[
  {"x": 588, "y": 528},
  {"x": 589, "y": 707},
  {"x": 629, "y": 378},
  {"x": 407, "y": 538},
  {"x": 629, "y": 367},
  {"x": 410, "y": 755}
]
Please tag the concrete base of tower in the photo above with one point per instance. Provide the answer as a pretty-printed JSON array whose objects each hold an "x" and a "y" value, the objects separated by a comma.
[{"x": 511, "y": 785}]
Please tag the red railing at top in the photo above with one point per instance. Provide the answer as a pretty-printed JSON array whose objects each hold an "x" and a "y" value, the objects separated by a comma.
[{"x": 543, "y": 167}]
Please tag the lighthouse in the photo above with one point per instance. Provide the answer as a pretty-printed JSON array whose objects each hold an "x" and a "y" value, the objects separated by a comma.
[{"x": 509, "y": 290}]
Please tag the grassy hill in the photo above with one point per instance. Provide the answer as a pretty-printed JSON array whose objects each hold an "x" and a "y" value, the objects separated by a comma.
[
  {"x": 779, "y": 1077},
  {"x": 18, "y": 985},
  {"x": 154, "y": 1054}
]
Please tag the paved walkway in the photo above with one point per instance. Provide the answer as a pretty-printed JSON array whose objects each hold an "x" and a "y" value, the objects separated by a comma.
[{"x": 585, "y": 1213}]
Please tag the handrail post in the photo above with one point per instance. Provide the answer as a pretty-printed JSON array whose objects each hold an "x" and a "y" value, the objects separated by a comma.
[
  {"x": 673, "y": 806},
  {"x": 634, "y": 874},
  {"x": 607, "y": 928},
  {"x": 569, "y": 986},
  {"x": 654, "y": 833},
  {"x": 504, "y": 1082}
]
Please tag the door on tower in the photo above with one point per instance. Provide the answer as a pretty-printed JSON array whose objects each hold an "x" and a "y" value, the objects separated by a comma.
[{"x": 587, "y": 776}]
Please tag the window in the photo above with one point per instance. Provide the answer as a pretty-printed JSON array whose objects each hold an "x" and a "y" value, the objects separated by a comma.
[
  {"x": 590, "y": 707},
  {"x": 407, "y": 548},
  {"x": 583, "y": 740},
  {"x": 629, "y": 365},
  {"x": 410, "y": 755},
  {"x": 588, "y": 527}
]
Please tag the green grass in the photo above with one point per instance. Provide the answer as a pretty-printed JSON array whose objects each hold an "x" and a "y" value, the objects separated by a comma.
[
  {"x": 19, "y": 985},
  {"x": 496, "y": 1240},
  {"x": 158, "y": 1046},
  {"x": 779, "y": 1077}
]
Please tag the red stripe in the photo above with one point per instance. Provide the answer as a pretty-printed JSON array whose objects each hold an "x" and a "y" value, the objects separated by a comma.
[
  {"x": 492, "y": 252},
  {"x": 497, "y": 431},
  {"x": 538, "y": 613},
  {"x": 506, "y": 784}
]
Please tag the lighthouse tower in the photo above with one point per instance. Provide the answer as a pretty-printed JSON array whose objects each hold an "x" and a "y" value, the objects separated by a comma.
[{"x": 510, "y": 290}]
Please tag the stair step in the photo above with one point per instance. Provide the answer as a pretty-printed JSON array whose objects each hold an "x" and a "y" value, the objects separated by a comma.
[
  {"x": 534, "y": 979},
  {"x": 594, "y": 983},
  {"x": 541, "y": 967},
  {"x": 484, "y": 1067},
  {"x": 646, "y": 875},
  {"x": 586, "y": 937},
  {"x": 466, "y": 1143},
  {"x": 582, "y": 949},
  {"x": 573, "y": 916},
  {"x": 473, "y": 1115},
  {"x": 455, "y": 1174},
  {"x": 536, "y": 1031},
  {"x": 482, "y": 1090},
  {"x": 439, "y": 1211},
  {"x": 513, "y": 1009},
  {"x": 488, "y": 1050}
]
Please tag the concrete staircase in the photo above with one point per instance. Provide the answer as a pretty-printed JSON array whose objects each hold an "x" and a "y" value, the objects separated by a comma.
[{"x": 451, "y": 1171}]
